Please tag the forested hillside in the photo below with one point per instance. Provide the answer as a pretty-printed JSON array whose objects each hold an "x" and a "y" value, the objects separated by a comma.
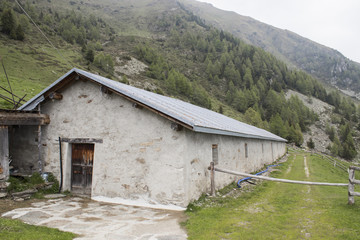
[
  {"x": 186, "y": 58},
  {"x": 324, "y": 63}
]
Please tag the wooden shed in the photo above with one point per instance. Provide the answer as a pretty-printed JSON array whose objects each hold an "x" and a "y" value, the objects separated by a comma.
[{"x": 10, "y": 119}]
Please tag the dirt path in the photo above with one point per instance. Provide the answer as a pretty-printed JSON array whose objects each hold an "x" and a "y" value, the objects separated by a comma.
[
  {"x": 290, "y": 166},
  {"x": 307, "y": 222},
  {"x": 307, "y": 174}
]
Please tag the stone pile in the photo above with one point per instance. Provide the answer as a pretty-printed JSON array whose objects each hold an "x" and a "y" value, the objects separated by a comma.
[{"x": 3, "y": 188}]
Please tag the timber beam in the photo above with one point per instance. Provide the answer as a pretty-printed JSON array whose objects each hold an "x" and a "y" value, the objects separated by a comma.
[
  {"x": 12, "y": 117},
  {"x": 56, "y": 95}
]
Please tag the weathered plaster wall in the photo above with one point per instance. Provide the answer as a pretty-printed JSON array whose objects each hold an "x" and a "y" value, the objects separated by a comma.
[
  {"x": 23, "y": 148},
  {"x": 140, "y": 157},
  {"x": 231, "y": 155}
]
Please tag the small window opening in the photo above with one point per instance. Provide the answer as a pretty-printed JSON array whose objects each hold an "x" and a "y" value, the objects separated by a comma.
[
  {"x": 246, "y": 150},
  {"x": 215, "y": 154}
]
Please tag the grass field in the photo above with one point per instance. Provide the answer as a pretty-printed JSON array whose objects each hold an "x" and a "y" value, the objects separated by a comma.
[
  {"x": 282, "y": 211},
  {"x": 17, "y": 230},
  {"x": 32, "y": 65}
]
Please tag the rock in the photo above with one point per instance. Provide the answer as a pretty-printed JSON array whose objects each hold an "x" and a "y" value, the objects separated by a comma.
[
  {"x": 4, "y": 185},
  {"x": 3, "y": 195},
  {"x": 18, "y": 199},
  {"x": 34, "y": 217},
  {"x": 21, "y": 196},
  {"x": 24, "y": 193},
  {"x": 52, "y": 196}
]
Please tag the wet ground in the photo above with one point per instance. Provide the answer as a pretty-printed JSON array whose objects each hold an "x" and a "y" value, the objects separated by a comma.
[{"x": 97, "y": 220}]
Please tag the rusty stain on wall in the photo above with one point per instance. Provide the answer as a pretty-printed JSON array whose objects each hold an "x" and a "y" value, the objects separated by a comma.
[
  {"x": 140, "y": 160},
  {"x": 196, "y": 160}
]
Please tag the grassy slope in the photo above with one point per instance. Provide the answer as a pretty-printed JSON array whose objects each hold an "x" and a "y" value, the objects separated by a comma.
[
  {"x": 283, "y": 211},
  {"x": 15, "y": 229},
  {"x": 33, "y": 64}
]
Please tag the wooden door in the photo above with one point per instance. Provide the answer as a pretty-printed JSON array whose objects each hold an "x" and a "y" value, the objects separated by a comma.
[{"x": 82, "y": 159}]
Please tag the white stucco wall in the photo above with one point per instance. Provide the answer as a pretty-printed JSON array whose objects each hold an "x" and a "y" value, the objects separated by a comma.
[
  {"x": 231, "y": 155},
  {"x": 141, "y": 157}
]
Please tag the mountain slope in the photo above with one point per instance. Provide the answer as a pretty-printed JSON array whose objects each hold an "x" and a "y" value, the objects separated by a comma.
[
  {"x": 179, "y": 56},
  {"x": 324, "y": 63}
]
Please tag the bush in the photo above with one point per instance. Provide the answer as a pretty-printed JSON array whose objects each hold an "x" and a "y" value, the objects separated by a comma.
[
  {"x": 55, "y": 187},
  {"x": 19, "y": 184},
  {"x": 104, "y": 62},
  {"x": 311, "y": 144}
]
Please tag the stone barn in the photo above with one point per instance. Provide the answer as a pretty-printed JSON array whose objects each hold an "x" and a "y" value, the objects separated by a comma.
[{"x": 113, "y": 141}]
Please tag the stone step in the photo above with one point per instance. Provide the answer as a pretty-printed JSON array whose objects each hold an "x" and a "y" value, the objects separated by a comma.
[{"x": 3, "y": 186}]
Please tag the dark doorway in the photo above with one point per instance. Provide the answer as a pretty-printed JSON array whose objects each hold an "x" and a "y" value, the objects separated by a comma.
[{"x": 82, "y": 159}]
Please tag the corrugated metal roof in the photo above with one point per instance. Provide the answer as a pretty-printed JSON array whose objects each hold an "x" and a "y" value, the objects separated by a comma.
[{"x": 200, "y": 119}]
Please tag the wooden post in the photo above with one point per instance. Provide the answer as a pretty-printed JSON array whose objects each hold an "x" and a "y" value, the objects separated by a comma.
[
  {"x": 39, "y": 150},
  {"x": 212, "y": 176},
  {"x": 4, "y": 152},
  {"x": 351, "y": 186},
  {"x": 39, "y": 145}
]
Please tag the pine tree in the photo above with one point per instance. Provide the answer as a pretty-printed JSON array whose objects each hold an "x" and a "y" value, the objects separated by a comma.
[
  {"x": 347, "y": 150},
  {"x": 89, "y": 55},
  {"x": 253, "y": 117},
  {"x": 311, "y": 144},
  {"x": 277, "y": 126},
  {"x": 248, "y": 79},
  {"x": 19, "y": 32},
  {"x": 8, "y": 21}
]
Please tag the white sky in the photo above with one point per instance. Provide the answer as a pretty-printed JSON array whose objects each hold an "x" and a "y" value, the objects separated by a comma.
[{"x": 333, "y": 23}]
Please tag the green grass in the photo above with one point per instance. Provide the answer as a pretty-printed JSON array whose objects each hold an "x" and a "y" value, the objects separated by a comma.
[
  {"x": 15, "y": 229},
  {"x": 35, "y": 181},
  {"x": 33, "y": 64},
  {"x": 282, "y": 211}
]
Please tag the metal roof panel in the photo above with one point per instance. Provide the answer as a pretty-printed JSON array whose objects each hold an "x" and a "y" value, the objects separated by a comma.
[{"x": 201, "y": 119}]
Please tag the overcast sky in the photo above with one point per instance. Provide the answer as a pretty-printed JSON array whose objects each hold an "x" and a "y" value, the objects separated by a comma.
[{"x": 333, "y": 23}]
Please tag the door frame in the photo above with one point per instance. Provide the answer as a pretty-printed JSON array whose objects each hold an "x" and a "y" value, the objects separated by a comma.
[{"x": 67, "y": 155}]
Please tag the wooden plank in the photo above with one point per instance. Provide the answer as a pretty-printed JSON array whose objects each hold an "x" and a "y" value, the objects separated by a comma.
[
  {"x": 4, "y": 152},
  {"x": 8, "y": 118},
  {"x": 82, "y": 140},
  {"x": 82, "y": 158},
  {"x": 212, "y": 169},
  {"x": 40, "y": 163},
  {"x": 354, "y": 181},
  {"x": 281, "y": 180},
  {"x": 355, "y": 168},
  {"x": 354, "y": 194}
]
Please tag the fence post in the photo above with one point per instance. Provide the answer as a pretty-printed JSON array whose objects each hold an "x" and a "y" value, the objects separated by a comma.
[
  {"x": 212, "y": 178},
  {"x": 351, "y": 187}
]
